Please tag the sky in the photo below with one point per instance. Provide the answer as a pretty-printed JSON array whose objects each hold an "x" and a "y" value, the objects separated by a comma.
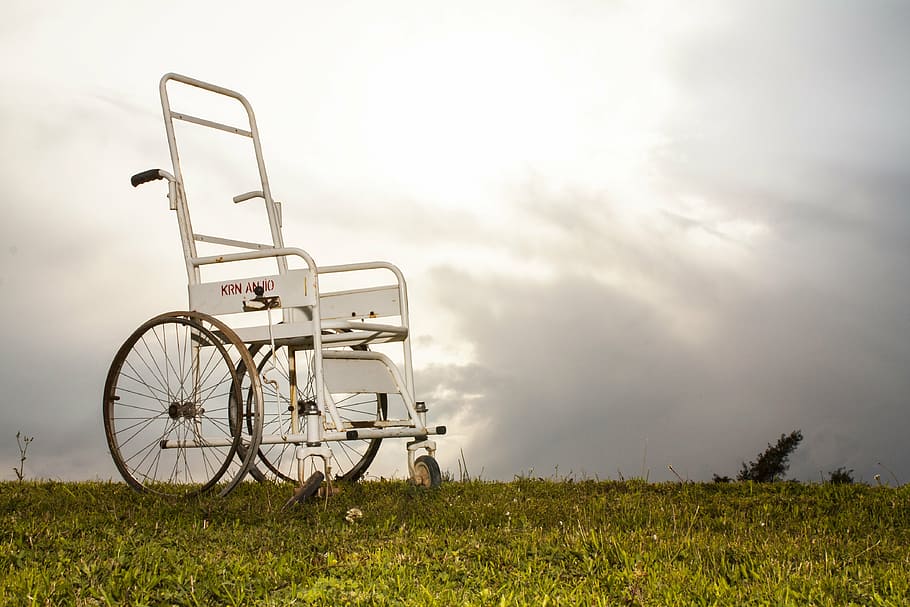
[{"x": 636, "y": 234}]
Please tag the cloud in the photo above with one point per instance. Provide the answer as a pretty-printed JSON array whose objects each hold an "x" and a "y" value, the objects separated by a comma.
[
  {"x": 641, "y": 347},
  {"x": 776, "y": 95}
]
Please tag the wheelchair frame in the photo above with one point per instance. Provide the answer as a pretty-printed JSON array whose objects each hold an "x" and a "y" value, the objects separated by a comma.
[{"x": 187, "y": 399}]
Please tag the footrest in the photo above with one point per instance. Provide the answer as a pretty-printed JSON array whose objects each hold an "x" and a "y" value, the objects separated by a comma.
[{"x": 380, "y": 423}]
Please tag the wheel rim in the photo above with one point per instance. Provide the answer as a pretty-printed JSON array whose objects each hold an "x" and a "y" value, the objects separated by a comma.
[
  {"x": 422, "y": 475},
  {"x": 173, "y": 380},
  {"x": 278, "y": 461}
]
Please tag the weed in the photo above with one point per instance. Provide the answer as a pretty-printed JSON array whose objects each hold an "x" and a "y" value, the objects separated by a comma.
[
  {"x": 675, "y": 473},
  {"x": 841, "y": 476},
  {"x": 463, "y": 474},
  {"x": 23, "y": 442},
  {"x": 888, "y": 470}
]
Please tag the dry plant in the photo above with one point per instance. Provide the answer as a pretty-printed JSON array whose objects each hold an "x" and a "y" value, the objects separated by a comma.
[{"x": 23, "y": 442}]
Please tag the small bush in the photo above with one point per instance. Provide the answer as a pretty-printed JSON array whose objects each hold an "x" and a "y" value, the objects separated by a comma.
[
  {"x": 773, "y": 463},
  {"x": 770, "y": 465},
  {"x": 841, "y": 476}
]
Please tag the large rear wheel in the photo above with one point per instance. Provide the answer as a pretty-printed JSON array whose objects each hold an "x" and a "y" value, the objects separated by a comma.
[
  {"x": 277, "y": 460},
  {"x": 167, "y": 418}
]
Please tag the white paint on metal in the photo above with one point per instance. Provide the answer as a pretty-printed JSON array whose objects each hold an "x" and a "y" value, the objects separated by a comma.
[
  {"x": 354, "y": 304},
  {"x": 351, "y": 375},
  {"x": 230, "y": 296}
]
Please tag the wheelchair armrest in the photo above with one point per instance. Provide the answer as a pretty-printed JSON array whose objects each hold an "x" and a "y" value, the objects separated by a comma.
[{"x": 370, "y": 302}]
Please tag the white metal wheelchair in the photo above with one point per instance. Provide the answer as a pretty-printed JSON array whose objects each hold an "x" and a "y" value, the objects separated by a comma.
[{"x": 265, "y": 375}]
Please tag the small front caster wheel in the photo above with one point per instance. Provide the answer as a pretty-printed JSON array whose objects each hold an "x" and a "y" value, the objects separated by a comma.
[{"x": 426, "y": 472}]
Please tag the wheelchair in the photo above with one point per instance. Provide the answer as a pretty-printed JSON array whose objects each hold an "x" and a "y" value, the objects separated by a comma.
[{"x": 265, "y": 375}]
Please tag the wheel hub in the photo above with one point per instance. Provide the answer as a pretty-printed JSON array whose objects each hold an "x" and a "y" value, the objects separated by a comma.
[
  {"x": 302, "y": 406},
  {"x": 186, "y": 409}
]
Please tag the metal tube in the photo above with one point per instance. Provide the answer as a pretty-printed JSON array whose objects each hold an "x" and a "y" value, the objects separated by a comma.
[
  {"x": 292, "y": 380},
  {"x": 327, "y": 436},
  {"x": 240, "y": 244},
  {"x": 210, "y": 124},
  {"x": 313, "y": 425}
]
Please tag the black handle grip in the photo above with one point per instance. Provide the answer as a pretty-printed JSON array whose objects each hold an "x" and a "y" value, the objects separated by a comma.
[{"x": 146, "y": 176}]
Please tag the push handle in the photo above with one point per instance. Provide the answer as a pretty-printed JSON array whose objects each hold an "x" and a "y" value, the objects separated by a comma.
[
  {"x": 146, "y": 176},
  {"x": 154, "y": 174},
  {"x": 248, "y": 196}
]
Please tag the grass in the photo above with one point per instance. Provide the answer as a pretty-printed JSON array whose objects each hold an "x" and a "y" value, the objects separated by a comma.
[{"x": 528, "y": 542}]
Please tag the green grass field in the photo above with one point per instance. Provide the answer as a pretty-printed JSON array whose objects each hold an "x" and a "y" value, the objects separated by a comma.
[{"x": 527, "y": 542}]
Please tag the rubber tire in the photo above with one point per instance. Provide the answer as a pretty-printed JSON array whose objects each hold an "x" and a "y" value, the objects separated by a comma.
[{"x": 426, "y": 472}]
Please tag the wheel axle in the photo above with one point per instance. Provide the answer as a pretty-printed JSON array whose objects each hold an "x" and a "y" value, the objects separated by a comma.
[{"x": 185, "y": 409}]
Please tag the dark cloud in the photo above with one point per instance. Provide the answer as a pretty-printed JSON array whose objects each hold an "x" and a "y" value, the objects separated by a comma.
[
  {"x": 795, "y": 117},
  {"x": 576, "y": 375},
  {"x": 583, "y": 376}
]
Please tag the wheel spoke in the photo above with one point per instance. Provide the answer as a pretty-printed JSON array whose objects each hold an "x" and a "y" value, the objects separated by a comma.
[
  {"x": 151, "y": 389},
  {"x": 140, "y": 426}
]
